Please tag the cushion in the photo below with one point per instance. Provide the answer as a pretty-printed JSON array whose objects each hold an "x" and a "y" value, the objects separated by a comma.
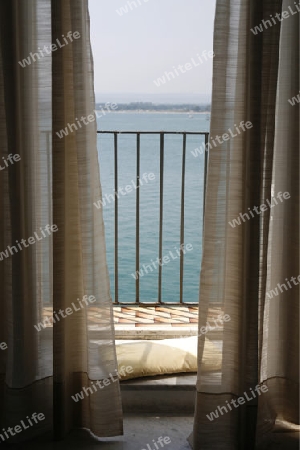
[{"x": 166, "y": 356}]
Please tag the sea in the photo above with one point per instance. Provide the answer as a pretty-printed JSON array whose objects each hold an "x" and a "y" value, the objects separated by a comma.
[{"x": 149, "y": 203}]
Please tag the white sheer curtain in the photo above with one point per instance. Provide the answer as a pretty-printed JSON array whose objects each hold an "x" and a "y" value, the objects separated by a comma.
[
  {"x": 253, "y": 78},
  {"x": 56, "y": 182}
]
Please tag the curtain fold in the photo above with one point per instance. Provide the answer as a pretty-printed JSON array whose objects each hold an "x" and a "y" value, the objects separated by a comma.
[
  {"x": 254, "y": 75},
  {"x": 83, "y": 346},
  {"x": 54, "y": 182}
]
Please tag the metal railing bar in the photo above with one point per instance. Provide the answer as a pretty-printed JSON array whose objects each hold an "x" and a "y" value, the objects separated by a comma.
[
  {"x": 157, "y": 303},
  {"x": 161, "y": 214},
  {"x": 116, "y": 220},
  {"x": 137, "y": 258},
  {"x": 205, "y": 172},
  {"x": 182, "y": 217}
]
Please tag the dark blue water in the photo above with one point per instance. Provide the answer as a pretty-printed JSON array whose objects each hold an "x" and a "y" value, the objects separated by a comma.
[{"x": 149, "y": 202}]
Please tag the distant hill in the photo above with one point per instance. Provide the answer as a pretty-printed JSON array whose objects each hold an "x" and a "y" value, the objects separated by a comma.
[
  {"x": 159, "y": 107},
  {"x": 156, "y": 98}
]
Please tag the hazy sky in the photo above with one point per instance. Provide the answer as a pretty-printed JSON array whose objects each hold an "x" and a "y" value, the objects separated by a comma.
[{"x": 134, "y": 49}]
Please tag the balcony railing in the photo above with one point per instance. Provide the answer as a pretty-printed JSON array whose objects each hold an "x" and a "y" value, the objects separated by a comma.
[{"x": 161, "y": 134}]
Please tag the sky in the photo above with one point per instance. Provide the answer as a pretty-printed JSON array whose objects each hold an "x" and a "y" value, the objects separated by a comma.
[{"x": 132, "y": 50}]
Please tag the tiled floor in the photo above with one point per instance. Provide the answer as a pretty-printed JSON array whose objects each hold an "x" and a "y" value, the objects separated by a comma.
[
  {"x": 162, "y": 316},
  {"x": 151, "y": 316},
  {"x": 171, "y": 316}
]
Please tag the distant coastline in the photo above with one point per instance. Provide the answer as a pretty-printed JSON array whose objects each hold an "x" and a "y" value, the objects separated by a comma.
[
  {"x": 148, "y": 107},
  {"x": 158, "y": 112}
]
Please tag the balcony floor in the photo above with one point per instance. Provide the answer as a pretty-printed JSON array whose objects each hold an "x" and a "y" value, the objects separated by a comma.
[
  {"x": 159, "y": 322},
  {"x": 164, "y": 316}
]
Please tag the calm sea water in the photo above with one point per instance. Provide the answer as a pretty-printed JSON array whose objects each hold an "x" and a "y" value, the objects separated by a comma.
[{"x": 149, "y": 202}]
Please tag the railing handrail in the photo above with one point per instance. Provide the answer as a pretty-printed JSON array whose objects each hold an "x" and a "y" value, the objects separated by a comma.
[{"x": 203, "y": 133}]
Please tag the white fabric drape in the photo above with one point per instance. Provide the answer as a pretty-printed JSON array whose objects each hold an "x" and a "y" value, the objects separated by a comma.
[
  {"x": 253, "y": 78},
  {"x": 55, "y": 182}
]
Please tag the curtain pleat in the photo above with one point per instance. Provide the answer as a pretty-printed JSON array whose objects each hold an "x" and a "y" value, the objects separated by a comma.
[
  {"x": 84, "y": 345},
  {"x": 253, "y": 78},
  {"x": 25, "y": 130},
  {"x": 55, "y": 182}
]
